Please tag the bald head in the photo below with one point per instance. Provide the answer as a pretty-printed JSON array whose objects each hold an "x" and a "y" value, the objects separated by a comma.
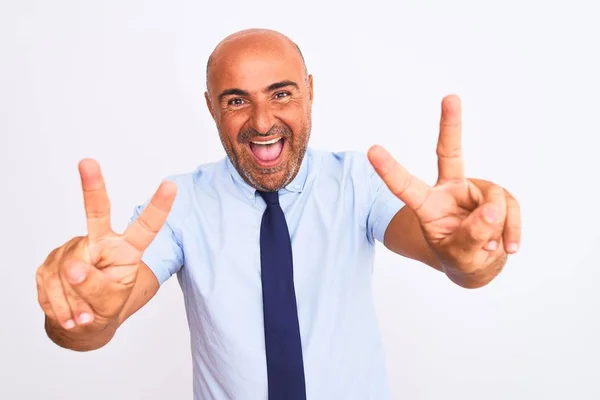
[
  {"x": 251, "y": 41},
  {"x": 260, "y": 96}
]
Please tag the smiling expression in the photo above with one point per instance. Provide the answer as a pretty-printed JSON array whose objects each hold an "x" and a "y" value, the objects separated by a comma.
[{"x": 260, "y": 97}]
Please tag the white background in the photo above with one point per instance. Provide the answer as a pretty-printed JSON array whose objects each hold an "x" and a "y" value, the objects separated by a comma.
[{"x": 123, "y": 81}]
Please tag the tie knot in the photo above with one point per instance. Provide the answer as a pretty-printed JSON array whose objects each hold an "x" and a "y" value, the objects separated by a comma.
[{"x": 271, "y": 198}]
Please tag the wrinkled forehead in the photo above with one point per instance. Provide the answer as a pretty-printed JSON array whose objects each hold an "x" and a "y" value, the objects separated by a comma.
[{"x": 252, "y": 66}]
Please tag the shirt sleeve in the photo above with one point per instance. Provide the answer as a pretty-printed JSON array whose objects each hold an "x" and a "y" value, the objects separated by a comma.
[
  {"x": 382, "y": 205},
  {"x": 164, "y": 255}
]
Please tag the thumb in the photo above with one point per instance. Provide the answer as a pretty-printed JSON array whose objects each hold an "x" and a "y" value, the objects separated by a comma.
[
  {"x": 105, "y": 296},
  {"x": 475, "y": 231},
  {"x": 408, "y": 188}
]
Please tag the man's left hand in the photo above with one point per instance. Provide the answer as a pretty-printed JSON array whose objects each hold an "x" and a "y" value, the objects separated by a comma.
[{"x": 470, "y": 224}]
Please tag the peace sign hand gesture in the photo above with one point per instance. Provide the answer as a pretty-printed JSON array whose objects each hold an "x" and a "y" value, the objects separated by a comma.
[
  {"x": 85, "y": 283},
  {"x": 469, "y": 224}
]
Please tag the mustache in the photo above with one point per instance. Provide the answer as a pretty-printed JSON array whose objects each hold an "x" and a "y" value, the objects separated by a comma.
[{"x": 248, "y": 134}]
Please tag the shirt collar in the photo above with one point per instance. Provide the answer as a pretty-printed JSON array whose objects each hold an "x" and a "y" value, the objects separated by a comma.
[{"x": 295, "y": 186}]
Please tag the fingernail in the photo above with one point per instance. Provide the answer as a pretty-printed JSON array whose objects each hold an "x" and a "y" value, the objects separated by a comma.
[
  {"x": 513, "y": 247},
  {"x": 69, "y": 324},
  {"x": 491, "y": 214},
  {"x": 84, "y": 318},
  {"x": 76, "y": 274},
  {"x": 492, "y": 245}
]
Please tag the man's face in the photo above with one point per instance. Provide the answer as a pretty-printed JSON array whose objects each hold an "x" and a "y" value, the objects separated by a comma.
[{"x": 261, "y": 99}]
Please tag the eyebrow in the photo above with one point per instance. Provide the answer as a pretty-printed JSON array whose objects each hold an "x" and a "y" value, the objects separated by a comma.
[
  {"x": 282, "y": 84},
  {"x": 234, "y": 91},
  {"x": 270, "y": 88}
]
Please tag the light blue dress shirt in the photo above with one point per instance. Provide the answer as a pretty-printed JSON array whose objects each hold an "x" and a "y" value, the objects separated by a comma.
[{"x": 336, "y": 208}]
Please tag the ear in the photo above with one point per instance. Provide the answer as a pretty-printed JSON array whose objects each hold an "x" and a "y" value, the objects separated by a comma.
[
  {"x": 209, "y": 105},
  {"x": 310, "y": 88}
]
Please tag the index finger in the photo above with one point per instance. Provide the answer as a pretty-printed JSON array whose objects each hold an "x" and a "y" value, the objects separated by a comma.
[
  {"x": 95, "y": 199},
  {"x": 449, "y": 147},
  {"x": 408, "y": 188},
  {"x": 141, "y": 232}
]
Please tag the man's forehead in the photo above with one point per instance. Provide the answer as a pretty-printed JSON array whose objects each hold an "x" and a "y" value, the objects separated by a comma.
[
  {"x": 255, "y": 56},
  {"x": 260, "y": 67}
]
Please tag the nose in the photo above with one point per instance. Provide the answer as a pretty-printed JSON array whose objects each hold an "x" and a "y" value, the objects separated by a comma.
[{"x": 262, "y": 118}]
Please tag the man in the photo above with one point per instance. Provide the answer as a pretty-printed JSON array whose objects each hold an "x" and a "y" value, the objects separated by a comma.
[{"x": 273, "y": 245}]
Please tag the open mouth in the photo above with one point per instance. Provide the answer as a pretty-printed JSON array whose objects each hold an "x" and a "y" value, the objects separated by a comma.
[{"x": 267, "y": 152}]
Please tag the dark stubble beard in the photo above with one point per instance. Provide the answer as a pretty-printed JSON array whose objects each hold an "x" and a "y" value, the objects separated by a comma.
[{"x": 257, "y": 177}]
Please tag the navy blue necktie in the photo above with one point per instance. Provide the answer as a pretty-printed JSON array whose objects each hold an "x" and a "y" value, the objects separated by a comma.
[{"x": 285, "y": 369}]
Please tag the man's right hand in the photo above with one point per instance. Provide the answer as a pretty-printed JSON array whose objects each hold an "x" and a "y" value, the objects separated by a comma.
[{"x": 84, "y": 284}]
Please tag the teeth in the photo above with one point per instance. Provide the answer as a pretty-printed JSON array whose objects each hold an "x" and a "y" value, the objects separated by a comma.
[{"x": 267, "y": 142}]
